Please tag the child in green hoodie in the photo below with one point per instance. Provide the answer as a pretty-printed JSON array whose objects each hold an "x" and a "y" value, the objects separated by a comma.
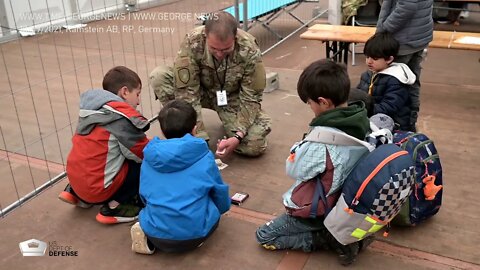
[{"x": 324, "y": 85}]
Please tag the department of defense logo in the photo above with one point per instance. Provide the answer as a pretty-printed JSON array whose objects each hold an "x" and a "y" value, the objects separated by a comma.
[{"x": 33, "y": 247}]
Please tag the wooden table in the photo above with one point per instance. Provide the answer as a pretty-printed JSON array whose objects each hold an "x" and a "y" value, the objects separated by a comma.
[{"x": 339, "y": 37}]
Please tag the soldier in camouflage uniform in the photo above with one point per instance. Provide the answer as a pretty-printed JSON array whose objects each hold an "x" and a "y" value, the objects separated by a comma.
[{"x": 220, "y": 67}]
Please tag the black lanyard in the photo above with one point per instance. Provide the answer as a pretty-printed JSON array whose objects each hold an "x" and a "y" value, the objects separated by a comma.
[{"x": 225, "y": 75}]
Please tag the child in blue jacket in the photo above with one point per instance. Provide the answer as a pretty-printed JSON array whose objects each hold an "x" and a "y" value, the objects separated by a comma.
[{"x": 181, "y": 187}]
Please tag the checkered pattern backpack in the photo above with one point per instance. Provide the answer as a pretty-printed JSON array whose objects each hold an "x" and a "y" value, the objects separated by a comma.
[
  {"x": 373, "y": 193},
  {"x": 426, "y": 198}
]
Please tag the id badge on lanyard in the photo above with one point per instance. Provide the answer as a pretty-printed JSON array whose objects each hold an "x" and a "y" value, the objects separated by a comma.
[
  {"x": 222, "y": 98},
  {"x": 222, "y": 93}
]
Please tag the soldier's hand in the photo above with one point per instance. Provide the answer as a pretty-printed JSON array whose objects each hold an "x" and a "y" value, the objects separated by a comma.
[{"x": 226, "y": 147}]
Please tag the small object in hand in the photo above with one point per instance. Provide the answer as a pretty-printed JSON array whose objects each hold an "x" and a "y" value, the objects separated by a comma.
[
  {"x": 221, "y": 145},
  {"x": 221, "y": 152},
  {"x": 239, "y": 197},
  {"x": 220, "y": 164}
]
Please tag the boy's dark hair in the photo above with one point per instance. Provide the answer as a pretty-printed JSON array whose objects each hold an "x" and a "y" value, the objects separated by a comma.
[
  {"x": 120, "y": 76},
  {"x": 324, "y": 78},
  {"x": 222, "y": 24},
  {"x": 381, "y": 45},
  {"x": 177, "y": 118}
]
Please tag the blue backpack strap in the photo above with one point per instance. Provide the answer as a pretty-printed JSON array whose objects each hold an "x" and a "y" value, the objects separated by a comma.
[{"x": 318, "y": 194}]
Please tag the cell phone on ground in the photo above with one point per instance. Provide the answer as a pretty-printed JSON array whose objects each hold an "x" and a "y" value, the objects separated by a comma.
[{"x": 239, "y": 197}]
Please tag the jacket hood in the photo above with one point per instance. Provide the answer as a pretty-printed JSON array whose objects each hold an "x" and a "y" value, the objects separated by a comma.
[
  {"x": 94, "y": 99},
  {"x": 101, "y": 107},
  {"x": 400, "y": 71},
  {"x": 174, "y": 154},
  {"x": 352, "y": 120}
]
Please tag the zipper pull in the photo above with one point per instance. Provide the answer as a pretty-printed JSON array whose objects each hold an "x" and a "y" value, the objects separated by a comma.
[{"x": 387, "y": 230}]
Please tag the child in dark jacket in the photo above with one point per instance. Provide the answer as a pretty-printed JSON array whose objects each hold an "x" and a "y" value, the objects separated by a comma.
[
  {"x": 181, "y": 187},
  {"x": 386, "y": 81}
]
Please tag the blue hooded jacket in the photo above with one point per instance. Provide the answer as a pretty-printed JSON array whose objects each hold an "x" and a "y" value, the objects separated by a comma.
[{"x": 182, "y": 189}]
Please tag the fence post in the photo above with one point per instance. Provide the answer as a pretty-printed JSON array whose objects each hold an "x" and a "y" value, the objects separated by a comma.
[
  {"x": 245, "y": 15},
  {"x": 237, "y": 12}
]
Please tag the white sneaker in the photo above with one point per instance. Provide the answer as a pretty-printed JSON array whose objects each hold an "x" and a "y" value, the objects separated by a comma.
[
  {"x": 464, "y": 14},
  {"x": 139, "y": 240}
]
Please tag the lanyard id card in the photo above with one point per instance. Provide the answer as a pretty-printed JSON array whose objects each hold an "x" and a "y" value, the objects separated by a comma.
[
  {"x": 221, "y": 94},
  {"x": 222, "y": 98}
]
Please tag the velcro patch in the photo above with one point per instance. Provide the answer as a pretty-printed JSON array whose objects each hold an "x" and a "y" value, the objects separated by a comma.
[
  {"x": 259, "y": 77},
  {"x": 183, "y": 75},
  {"x": 182, "y": 62}
]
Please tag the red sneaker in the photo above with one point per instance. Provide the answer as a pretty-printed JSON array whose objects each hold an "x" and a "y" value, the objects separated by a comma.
[
  {"x": 69, "y": 196},
  {"x": 121, "y": 214}
]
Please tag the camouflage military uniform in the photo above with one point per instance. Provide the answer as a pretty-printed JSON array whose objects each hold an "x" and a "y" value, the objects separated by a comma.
[
  {"x": 196, "y": 78},
  {"x": 350, "y": 7}
]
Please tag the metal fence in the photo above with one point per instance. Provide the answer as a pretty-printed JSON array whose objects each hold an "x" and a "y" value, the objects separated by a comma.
[{"x": 52, "y": 50}]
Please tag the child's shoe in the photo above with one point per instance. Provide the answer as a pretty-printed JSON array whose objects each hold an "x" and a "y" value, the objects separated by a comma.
[
  {"x": 69, "y": 196},
  {"x": 139, "y": 240},
  {"x": 348, "y": 254},
  {"x": 364, "y": 243},
  {"x": 319, "y": 240},
  {"x": 120, "y": 214},
  {"x": 464, "y": 14}
]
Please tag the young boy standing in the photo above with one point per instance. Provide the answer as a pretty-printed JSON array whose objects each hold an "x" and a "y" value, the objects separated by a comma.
[
  {"x": 324, "y": 85},
  {"x": 181, "y": 186},
  {"x": 103, "y": 165},
  {"x": 386, "y": 81}
]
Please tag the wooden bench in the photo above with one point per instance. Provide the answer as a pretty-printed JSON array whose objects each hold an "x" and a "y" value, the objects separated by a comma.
[{"x": 339, "y": 37}]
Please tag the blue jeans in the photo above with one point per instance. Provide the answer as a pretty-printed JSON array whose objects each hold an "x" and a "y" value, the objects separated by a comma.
[
  {"x": 413, "y": 61},
  {"x": 166, "y": 245},
  {"x": 287, "y": 232}
]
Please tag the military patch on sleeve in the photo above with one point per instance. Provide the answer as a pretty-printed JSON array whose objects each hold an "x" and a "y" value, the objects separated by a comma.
[
  {"x": 184, "y": 75},
  {"x": 259, "y": 77}
]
